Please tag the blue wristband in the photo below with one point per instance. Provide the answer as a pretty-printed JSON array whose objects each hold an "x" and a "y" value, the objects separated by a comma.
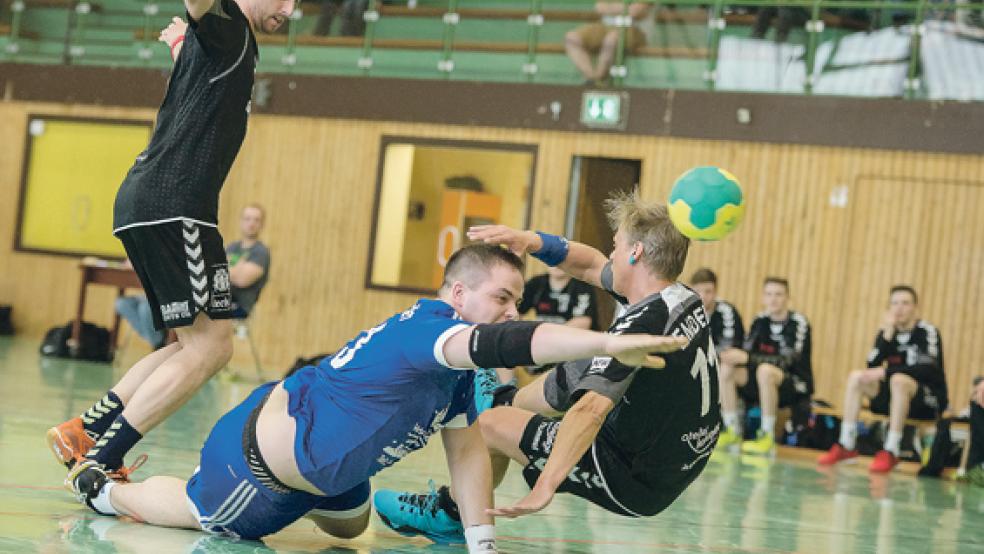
[{"x": 554, "y": 250}]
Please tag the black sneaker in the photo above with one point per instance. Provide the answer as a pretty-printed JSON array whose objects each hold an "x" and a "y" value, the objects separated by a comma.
[{"x": 86, "y": 480}]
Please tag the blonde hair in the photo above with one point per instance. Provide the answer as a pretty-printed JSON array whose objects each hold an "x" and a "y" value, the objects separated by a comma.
[{"x": 665, "y": 248}]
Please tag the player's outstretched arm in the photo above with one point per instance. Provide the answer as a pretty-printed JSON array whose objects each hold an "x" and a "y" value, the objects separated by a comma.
[
  {"x": 471, "y": 483},
  {"x": 577, "y": 431},
  {"x": 582, "y": 262},
  {"x": 525, "y": 343}
]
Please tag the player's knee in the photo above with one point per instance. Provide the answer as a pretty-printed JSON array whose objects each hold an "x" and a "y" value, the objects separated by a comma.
[
  {"x": 854, "y": 377},
  {"x": 493, "y": 431},
  {"x": 901, "y": 383},
  {"x": 611, "y": 39},
  {"x": 765, "y": 374},
  {"x": 344, "y": 528}
]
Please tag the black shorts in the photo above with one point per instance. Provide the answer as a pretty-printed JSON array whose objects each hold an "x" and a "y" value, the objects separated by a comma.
[
  {"x": 924, "y": 405},
  {"x": 588, "y": 478},
  {"x": 183, "y": 268},
  {"x": 788, "y": 395}
]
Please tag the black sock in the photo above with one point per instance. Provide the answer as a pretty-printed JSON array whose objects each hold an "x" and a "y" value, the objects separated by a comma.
[
  {"x": 446, "y": 503},
  {"x": 114, "y": 444},
  {"x": 99, "y": 417}
]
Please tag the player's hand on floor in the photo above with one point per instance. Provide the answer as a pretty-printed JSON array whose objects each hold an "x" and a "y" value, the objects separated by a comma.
[
  {"x": 520, "y": 242},
  {"x": 535, "y": 501},
  {"x": 639, "y": 349}
]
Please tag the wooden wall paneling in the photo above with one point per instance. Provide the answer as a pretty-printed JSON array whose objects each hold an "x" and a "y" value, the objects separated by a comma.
[{"x": 316, "y": 179}]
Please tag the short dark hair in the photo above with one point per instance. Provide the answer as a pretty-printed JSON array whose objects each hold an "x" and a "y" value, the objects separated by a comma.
[
  {"x": 463, "y": 263},
  {"x": 704, "y": 275},
  {"x": 256, "y": 206},
  {"x": 905, "y": 288},
  {"x": 779, "y": 281}
]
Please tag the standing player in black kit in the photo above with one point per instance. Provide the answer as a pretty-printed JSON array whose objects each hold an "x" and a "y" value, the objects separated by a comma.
[{"x": 166, "y": 215}]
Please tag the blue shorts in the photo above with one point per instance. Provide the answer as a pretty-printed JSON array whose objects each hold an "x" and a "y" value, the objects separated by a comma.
[{"x": 228, "y": 499}]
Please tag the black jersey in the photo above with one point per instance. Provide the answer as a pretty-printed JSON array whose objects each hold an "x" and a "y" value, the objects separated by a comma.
[
  {"x": 727, "y": 330},
  {"x": 200, "y": 126},
  {"x": 666, "y": 421},
  {"x": 918, "y": 353},
  {"x": 576, "y": 299},
  {"x": 786, "y": 344}
]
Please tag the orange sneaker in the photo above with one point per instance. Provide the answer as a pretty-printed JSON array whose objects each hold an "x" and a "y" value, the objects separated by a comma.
[
  {"x": 122, "y": 475},
  {"x": 836, "y": 454},
  {"x": 883, "y": 463},
  {"x": 69, "y": 442}
]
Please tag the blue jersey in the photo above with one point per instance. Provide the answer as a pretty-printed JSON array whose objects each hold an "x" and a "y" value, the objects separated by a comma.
[{"x": 379, "y": 398}]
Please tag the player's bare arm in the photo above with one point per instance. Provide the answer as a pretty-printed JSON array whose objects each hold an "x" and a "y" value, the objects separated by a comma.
[
  {"x": 583, "y": 262},
  {"x": 577, "y": 431}
]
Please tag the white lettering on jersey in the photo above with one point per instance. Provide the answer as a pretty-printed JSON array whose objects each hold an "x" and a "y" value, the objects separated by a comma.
[{"x": 346, "y": 354}]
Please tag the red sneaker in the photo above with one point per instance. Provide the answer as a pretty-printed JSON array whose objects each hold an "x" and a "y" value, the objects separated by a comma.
[
  {"x": 836, "y": 454},
  {"x": 883, "y": 463}
]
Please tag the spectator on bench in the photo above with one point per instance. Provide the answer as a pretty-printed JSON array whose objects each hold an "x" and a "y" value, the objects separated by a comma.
[
  {"x": 727, "y": 332},
  {"x": 556, "y": 297},
  {"x": 353, "y": 22},
  {"x": 773, "y": 368},
  {"x": 975, "y": 458},
  {"x": 601, "y": 38},
  {"x": 249, "y": 264},
  {"x": 904, "y": 378}
]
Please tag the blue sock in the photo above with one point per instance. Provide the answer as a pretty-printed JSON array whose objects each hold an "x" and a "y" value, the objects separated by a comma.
[
  {"x": 99, "y": 417},
  {"x": 114, "y": 444}
]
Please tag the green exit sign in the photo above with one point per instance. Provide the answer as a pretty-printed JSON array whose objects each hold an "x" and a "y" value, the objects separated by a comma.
[{"x": 606, "y": 110}]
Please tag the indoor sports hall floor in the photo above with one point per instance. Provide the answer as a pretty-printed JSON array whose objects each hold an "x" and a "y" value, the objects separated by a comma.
[{"x": 737, "y": 505}]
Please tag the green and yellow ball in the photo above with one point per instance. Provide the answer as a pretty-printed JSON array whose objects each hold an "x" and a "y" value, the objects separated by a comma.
[{"x": 706, "y": 203}]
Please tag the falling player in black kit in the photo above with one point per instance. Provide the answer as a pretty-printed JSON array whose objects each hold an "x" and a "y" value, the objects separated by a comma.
[
  {"x": 727, "y": 332},
  {"x": 630, "y": 440},
  {"x": 166, "y": 215}
]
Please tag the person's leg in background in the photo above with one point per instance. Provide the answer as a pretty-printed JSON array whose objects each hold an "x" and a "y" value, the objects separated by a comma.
[
  {"x": 579, "y": 43},
  {"x": 136, "y": 311}
]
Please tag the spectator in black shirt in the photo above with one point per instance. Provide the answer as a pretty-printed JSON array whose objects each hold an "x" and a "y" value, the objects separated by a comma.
[
  {"x": 726, "y": 326},
  {"x": 975, "y": 458},
  {"x": 556, "y": 297},
  {"x": 904, "y": 379},
  {"x": 727, "y": 332},
  {"x": 773, "y": 369}
]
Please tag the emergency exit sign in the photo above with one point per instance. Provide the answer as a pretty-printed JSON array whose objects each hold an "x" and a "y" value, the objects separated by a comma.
[{"x": 605, "y": 110}]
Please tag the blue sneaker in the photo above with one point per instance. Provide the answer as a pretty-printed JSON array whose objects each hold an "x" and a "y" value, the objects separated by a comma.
[
  {"x": 419, "y": 514},
  {"x": 486, "y": 382}
]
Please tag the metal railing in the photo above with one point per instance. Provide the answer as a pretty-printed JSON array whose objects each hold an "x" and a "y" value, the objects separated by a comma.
[{"x": 528, "y": 66}]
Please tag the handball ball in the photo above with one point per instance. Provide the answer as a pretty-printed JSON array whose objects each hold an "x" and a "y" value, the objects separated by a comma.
[{"x": 706, "y": 203}]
